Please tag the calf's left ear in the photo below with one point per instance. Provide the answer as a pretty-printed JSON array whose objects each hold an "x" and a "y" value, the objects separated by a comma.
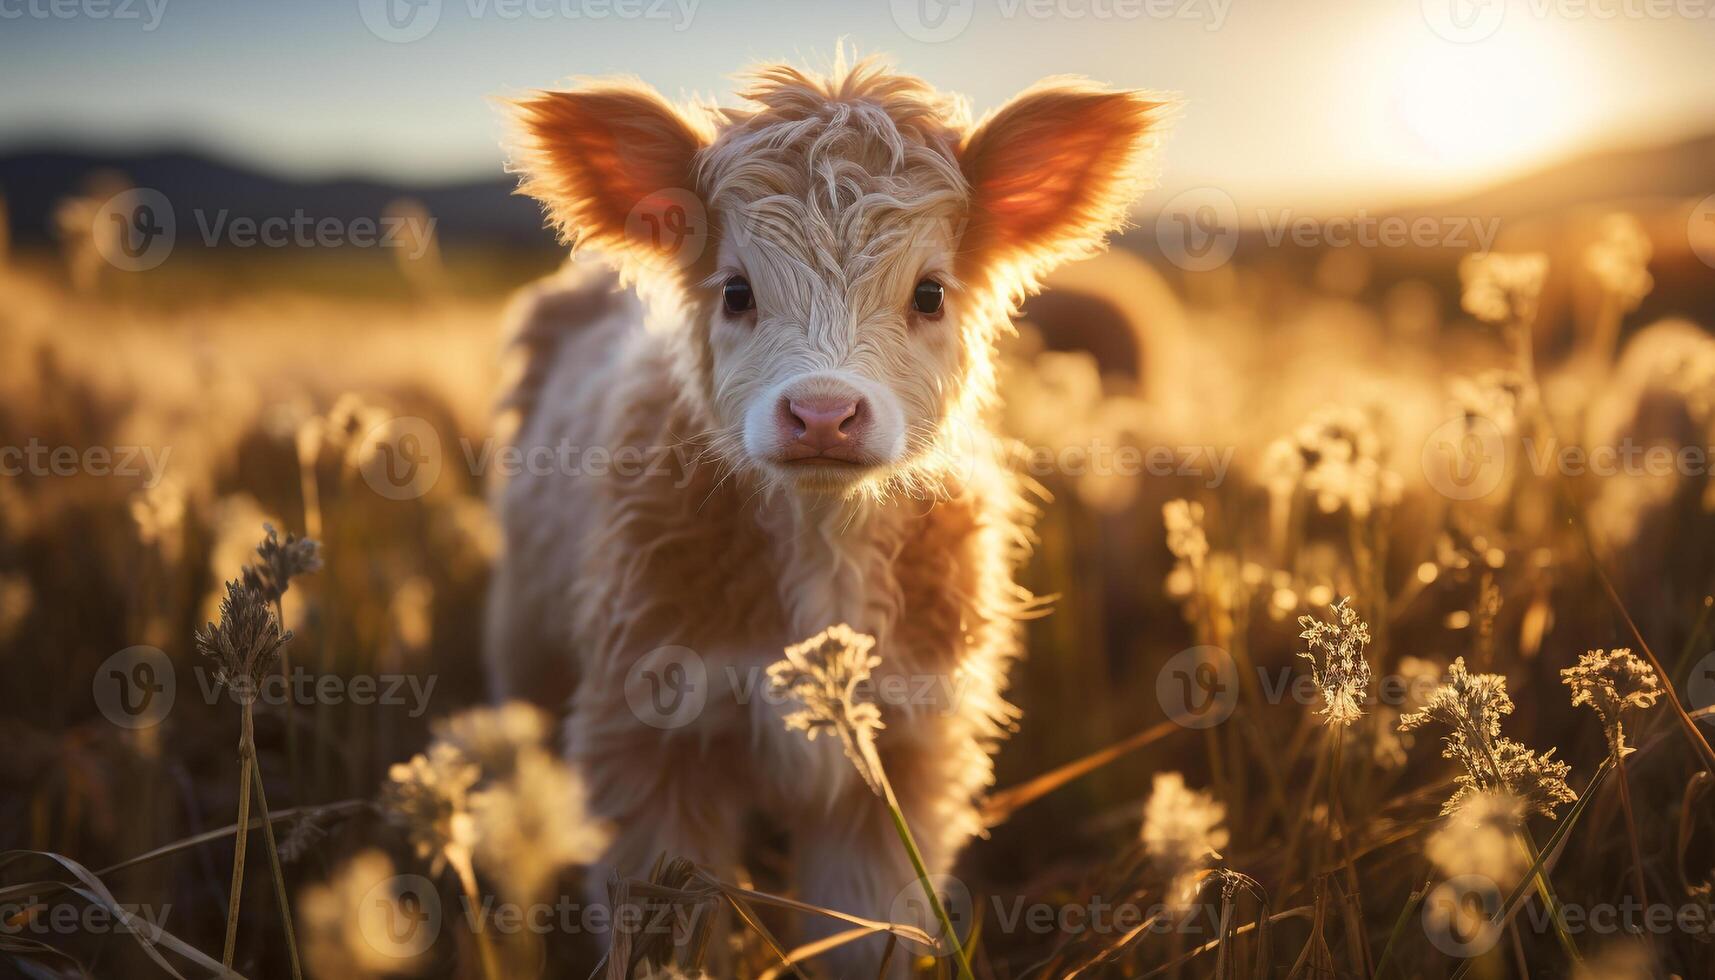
[
  {"x": 612, "y": 163},
  {"x": 1054, "y": 171}
]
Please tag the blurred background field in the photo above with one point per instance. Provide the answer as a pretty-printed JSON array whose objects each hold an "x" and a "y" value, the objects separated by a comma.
[
  {"x": 1321, "y": 373},
  {"x": 1327, "y": 413}
]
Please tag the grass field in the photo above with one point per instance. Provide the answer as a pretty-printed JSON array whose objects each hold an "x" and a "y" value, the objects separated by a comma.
[{"x": 1327, "y": 523}]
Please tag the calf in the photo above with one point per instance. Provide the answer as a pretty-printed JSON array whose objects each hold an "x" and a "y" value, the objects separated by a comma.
[{"x": 789, "y": 434}]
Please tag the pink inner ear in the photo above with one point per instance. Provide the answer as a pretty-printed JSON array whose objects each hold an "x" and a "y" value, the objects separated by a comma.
[
  {"x": 1054, "y": 169},
  {"x": 608, "y": 162},
  {"x": 1041, "y": 185}
]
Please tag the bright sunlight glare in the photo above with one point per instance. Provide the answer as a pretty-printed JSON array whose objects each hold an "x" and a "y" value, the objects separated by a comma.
[{"x": 1476, "y": 111}]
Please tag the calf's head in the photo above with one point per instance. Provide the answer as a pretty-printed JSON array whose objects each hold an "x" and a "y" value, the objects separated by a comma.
[{"x": 844, "y": 249}]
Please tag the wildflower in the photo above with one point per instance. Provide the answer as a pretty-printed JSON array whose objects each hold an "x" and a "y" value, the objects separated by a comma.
[
  {"x": 1471, "y": 707},
  {"x": 1611, "y": 682},
  {"x": 494, "y": 737},
  {"x": 159, "y": 513},
  {"x": 344, "y": 429},
  {"x": 823, "y": 674},
  {"x": 1495, "y": 396},
  {"x": 1185, "y": 537},
  {"x": 531, "y": 825},
  {"x": 350, "y": 924},
  {"x": 429, "y": 798},
  {"x": 1503, "y": 289},
  {"x": 1480, "y": 837},
  {"x": 281, "y": 562},
  {"x": 1619, "y": 260},
  {"x": 1336, "y": 456},
  {"x": 1690, "y": 372},
  {"x": 246, "y": 641},
  {"x": 1182, "y": 834},
  {"x": 1342, "y": 674}
]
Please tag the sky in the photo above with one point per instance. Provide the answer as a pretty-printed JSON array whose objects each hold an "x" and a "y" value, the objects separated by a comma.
[{"x": 1351, "y": 103}]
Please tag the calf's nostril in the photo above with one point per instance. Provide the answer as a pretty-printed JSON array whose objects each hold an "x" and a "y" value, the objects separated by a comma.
[
  {"x": 851, "y": 418},
  {"x": 787, "y": 414}
]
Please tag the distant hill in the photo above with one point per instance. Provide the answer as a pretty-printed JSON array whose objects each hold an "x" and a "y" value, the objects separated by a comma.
[
  {"x": 1678, "y": 170},
  {"x": 485, "y": 211},
  {"x": 482, "y": 211}
]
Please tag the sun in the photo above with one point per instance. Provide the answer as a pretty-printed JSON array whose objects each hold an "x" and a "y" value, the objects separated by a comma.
[{"x": 1478, "y": 110}]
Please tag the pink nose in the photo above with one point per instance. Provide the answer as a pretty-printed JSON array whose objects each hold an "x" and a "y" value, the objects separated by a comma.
[{"x": 822, "y": 422}]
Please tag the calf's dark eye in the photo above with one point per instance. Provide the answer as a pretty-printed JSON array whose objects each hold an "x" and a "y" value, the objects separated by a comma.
[
  {"x": 928, "y": 297},
  {"x": 736, "y": 295}
]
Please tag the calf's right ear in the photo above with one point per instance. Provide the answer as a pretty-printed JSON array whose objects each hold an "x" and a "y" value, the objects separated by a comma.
[
  {"x": 1054, "y": 171},
  {"x": 612, "y": 163}
]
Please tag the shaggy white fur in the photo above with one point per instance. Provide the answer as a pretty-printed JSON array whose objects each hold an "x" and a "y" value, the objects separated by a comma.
[{"x": 833, "y": 197}]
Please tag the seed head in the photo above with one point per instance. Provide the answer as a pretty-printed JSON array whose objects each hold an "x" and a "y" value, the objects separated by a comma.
[
  {"x": 1619, "y": 260},
  {"x": 350, "y": 924},
  {"x": 534, "y": 823},
  {"x": 1480, "y": 837},
  {"x": 246, "y": 641},
  {"x": 1503, "y": 289},
  {"x": 1185, "y": 536},
  {"x": 1336, "y": 457},
  {"x": 1341, "y": 672},
  {"x": 281, "y": 562},
  {"x": 1471, "y": 707},
  {"x": 494, "y": 737},
  {"x": 429, "y": 798},
  {"x": 1182, "y": 833},
  {"x": 1610, "y": 682},
  {"x": 823, "y": 673}
]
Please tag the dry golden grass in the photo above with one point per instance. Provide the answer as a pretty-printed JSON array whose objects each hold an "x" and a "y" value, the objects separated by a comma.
[{"x": 1313, "y": 832}]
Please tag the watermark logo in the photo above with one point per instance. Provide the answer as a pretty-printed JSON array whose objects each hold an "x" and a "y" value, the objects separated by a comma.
[
  {"x": 401, "y": 917},
  {"x": 933, "y": 21},
  {"x": 400, "y": 21},
  {"x": 1199, "y": 687},
  {"x": 135, "y": 688},
  {"x": 135, "y": 229},
  {"x": 1459, "y": 914},
  {"x": 401, "y": 458},
  {"x": 1464, "y": 21},
  {"x": 1700, "y": 229},
  {"x": 1465, "y": 458},
  {"x": 910, "y": 906},
  {"x": 668, "y": 687},
  {"x": 671, "y": 223},
  {"x": 1199, "y": 229}
]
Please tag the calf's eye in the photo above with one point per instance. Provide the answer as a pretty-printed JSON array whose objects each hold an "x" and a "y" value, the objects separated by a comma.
[
  {"x": 736, "y": 295},
  {"x": 928, "y": 297}
]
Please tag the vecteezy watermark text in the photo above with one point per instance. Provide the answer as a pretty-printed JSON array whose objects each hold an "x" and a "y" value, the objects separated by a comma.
[
  {"x": 935, "y": 21},
  {"x": 137, "y": 229},
  {"x": 38, "y": 459},
  {"x": 404, "y": 21},
  {"x": 137, "y": 687},
  {"x": 1198, "y": 230},
  {"x": 149, "y": 12}
]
